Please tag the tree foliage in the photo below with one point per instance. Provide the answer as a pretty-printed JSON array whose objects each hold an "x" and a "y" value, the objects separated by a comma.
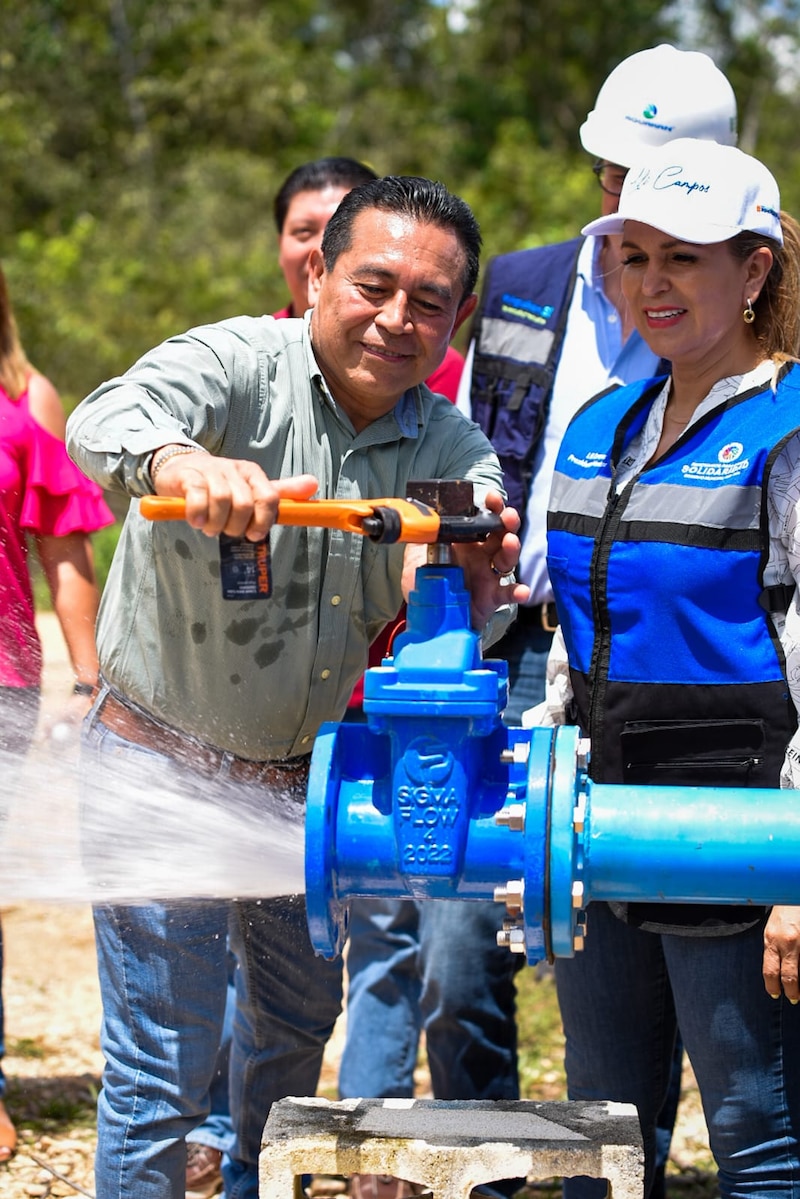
[{"x": 141, "y": 143}]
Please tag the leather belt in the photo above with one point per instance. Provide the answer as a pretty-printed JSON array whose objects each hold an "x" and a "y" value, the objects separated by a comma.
[
  {"x": 135, "y": 726},
  {"x": 544, "y": 616}
]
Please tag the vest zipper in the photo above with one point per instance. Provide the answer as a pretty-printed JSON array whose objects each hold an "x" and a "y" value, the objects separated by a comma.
[{"x": 601, "y": 650}]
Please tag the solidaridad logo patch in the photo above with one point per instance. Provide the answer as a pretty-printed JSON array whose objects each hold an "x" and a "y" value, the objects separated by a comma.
[
  {"x": 650, "y": 112},
  {"x": 730, "y": 452}
]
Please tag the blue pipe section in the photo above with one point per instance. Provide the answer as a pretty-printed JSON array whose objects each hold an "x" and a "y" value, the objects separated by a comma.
[
  {"x": 434, "y": 797},
  {"x": 698, "y": 845}
]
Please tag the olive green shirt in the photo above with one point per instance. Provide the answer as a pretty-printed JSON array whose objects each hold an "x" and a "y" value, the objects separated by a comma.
[{"x": 255, "y": 677}]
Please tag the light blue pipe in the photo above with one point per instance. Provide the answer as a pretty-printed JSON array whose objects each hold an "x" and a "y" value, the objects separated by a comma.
[
  {"x": 714, "y": 844},
  {"x": 435, "y": 798}
]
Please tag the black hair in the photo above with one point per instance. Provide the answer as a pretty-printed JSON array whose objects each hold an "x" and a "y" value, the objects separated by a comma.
[
  {"x": 408, "y": 195},
  {"x": 315, "y": 176}
]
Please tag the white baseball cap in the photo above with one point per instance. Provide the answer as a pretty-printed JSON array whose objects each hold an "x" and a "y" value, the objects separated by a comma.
[
  {"x": 656, "y": 95},
  {"x": 697, "y": 191}
]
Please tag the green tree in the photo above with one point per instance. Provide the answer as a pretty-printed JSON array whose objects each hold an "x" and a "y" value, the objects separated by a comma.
[{"x": 141, "y": 143}]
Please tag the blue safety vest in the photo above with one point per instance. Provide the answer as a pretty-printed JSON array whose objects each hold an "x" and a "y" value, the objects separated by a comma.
[
  {"x": 677, "y": 670},
  {"x": 660, "y": 588},
  {"x": 518, "y": 333}
]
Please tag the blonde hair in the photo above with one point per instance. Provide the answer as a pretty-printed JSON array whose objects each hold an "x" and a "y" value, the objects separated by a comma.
[
  {"x": 777, "y": 309},
  {"x": 14, "y": 365}
]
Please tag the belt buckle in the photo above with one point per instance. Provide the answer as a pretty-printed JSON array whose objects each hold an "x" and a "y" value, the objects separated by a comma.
[{"x": 545, "y": 615}]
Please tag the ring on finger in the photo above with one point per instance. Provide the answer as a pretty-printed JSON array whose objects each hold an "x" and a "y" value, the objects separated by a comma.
[{"x": 501, "y": 574}]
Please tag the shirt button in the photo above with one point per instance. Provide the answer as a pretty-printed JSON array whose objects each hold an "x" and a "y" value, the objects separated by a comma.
[
  {"x": 326, "y": 674},
  {"x": 305, "y": 740},
  {"x": 336, "y": 599}
]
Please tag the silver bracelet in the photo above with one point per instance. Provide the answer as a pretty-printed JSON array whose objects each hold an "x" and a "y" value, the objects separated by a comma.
[{"x": 162, "y": 456}]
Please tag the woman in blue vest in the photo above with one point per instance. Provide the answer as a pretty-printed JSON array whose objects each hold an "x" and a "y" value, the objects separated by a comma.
[{"x": 674, "y": 550}]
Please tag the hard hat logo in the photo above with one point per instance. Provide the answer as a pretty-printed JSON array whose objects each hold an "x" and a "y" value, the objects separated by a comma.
[{"x": 687, "y": 96}]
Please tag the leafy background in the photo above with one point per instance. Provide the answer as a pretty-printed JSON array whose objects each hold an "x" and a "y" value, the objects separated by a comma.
[{"x": 142, "y": 141}]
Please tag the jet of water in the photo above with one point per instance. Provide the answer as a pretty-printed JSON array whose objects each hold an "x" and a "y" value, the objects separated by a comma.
[{"x": 135, "y": 841}]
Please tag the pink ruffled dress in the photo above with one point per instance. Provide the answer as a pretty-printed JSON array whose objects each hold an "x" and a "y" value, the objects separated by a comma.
[{"x": 41, "y": 492}]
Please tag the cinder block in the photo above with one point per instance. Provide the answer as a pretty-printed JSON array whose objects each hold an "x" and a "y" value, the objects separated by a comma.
[{"x": 450, "y": 1147}]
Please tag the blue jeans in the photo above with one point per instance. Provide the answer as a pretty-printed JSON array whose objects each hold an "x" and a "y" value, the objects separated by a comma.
[
  {"x": 288, "y": 1001},
  {"x": 216, "y": 1131},
  {"x": 525, "y": 647},
  {"x": 432, "y": 964},
  {"x": 620, "y": 1021},
  {"x": 163, "y": 972}
]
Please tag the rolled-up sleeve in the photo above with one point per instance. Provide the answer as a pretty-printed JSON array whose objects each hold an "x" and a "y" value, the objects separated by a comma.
[{"x": 179, "y": 392}]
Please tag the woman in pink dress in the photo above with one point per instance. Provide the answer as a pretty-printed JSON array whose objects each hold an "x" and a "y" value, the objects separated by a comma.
[{"x": 44, "y": 501}]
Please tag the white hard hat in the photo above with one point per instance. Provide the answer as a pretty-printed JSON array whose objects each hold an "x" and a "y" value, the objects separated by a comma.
[{"x": 654, "y": 96}]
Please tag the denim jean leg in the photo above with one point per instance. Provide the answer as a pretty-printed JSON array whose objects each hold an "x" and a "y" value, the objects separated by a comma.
[
  {"x": 468, "y": 1000},
  {"x": 745, "y": 1049},
  {"x": 382, "y": 1000},
  {"x": 288, "y": 1000},
  {"x": 619, "y": 1023},
  {"x": 525, "y": 647},
  {"x": 162, "y": 973},
  {"x": 216, "y": 1131}
]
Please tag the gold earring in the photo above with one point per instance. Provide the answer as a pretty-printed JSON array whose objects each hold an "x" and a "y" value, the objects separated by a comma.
[{"x": 748, "y": 316}]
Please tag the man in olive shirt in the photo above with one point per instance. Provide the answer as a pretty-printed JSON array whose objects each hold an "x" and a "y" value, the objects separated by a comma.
[{"x": 232, "y": 417}]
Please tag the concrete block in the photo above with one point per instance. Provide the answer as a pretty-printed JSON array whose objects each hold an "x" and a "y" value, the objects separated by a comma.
[{"x": 450, "y": 1147}]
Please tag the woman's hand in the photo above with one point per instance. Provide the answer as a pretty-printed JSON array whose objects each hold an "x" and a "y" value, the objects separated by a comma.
[{"x": 781, "y": 950}]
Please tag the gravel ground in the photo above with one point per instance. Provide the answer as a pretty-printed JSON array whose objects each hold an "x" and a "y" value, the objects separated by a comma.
[{"x": 53, "y": 1063}]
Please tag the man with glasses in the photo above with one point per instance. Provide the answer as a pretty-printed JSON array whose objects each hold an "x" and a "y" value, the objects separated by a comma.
[
  {"x": 610, "y": 177},
  {"x": 552, "y": 330}
]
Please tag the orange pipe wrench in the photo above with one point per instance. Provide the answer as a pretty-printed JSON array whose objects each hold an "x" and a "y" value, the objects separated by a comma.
[{"x": 386, "y": 521}]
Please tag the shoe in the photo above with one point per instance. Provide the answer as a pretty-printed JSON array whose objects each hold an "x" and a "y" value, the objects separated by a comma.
[
  {"x": 383, "y": 1186},
  {"x": 8, "y": 1134},
  {"x": 203, "y": 1174}
]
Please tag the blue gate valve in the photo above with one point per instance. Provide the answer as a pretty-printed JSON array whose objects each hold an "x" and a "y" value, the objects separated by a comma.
[{"x": 433, "y": 797}]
